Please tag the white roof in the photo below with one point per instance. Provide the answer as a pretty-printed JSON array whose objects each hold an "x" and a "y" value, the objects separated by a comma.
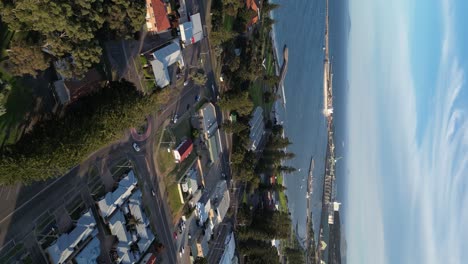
[
  {"x": 90, "y": 252},
  {"x": 117, "y": 228},
  {"x": 223, "y": 205},
  {"x": 65, "y": 245},
  {"x": 192, "y": 31},
  {"x": 164, "y": 58},
  {"x": 229, "y": 249},
  {"x": 143, "y": 230},
  {"x": 114, "y": 199},
  {"x": 197, "y": 27}
]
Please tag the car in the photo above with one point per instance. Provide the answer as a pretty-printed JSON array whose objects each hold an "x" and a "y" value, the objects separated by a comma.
[
  {"x": 224, "y": 175},
  {"x": 188, "y": 106},
  {"x": 152, "y": 192},
  {"x": 175, "y": 118},
  {"x": 183, "y": 249},
  {"x": 136, "y": 147},
  {"x": 175, "y": 235},
  {"x": 197, "y": 98},
  {"x": 186, "y": 82}
]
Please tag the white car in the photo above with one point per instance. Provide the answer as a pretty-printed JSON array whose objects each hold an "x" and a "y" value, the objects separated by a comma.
[
  {"x": 136, "y": 147},
  {"x": 175, "y": 118}
]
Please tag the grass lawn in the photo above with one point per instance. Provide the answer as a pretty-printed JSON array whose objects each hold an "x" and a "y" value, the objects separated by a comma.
[
  {"x": 174, "y": 199},
  {"x": 164, "y": 160},
  {"x": 19, "y": 102},
  {"x": 282, "y": 197},
  {"x": 228, "y": 22},
  {"x": 256, "y": 93},
  {"x": 5, "y": 37},
  {"x": 182, "y": 129}
]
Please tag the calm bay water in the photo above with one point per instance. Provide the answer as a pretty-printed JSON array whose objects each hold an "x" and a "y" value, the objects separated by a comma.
[{"x": 300, "y": 24}]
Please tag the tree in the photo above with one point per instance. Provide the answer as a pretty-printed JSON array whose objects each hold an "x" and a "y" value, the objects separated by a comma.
[
  {"x": 268, "y": 23},
  {"x": 267, "y": 6},
  {"x": 219, "y": 37},
  {"x": 199, "y": 77},
  {"x": 239, "y": 102},
  {"x": 234, "y": 127},
  {"x": 65, "y": 28},
  {"x": 110, "y": 111},
  {"x": 271, "y": 80},
  {"x": 200, "y": 260},
  {"x": 287, "y": 169},
  {"x": 24, "y": 58},
  {"x": 232, "y": 6}
]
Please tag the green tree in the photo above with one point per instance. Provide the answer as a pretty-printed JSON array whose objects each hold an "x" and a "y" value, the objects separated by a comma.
[
  {"x": 287, "y": 169},
  {"x": 222, "y": 36},
  {"x": 38, "y": 156},
  {"x": 234, "y": 127},
  {"x": 24, "y": 59},
  {"x": 200, "y": 260},
  {"x": 239, "y": 102},
  {"x": 267, "y": 6},
  {"x": 199, "y": 77}
]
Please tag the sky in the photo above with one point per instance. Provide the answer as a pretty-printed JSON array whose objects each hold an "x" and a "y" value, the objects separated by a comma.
[{"x": 407, "y": 115}]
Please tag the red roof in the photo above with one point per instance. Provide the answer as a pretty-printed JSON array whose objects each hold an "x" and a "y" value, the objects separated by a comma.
[
  {"x": 151, "y": 260},
  {"x": 185, "y": 149},
  {"x": 160, "y": 15}
]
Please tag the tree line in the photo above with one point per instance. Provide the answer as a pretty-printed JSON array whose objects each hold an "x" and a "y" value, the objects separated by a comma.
[{"x": 55, "y": 145}]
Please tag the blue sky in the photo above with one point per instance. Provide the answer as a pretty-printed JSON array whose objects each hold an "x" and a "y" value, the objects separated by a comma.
[{"x": 407, "y": 112}]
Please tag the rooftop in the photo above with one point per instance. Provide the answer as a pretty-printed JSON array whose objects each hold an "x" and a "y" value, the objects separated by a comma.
[
  {"x": 160, "y": 15},
  {"x": 114, "y": 199},
  {"x": 183, "y": 150},
  {"x": 65, "y": 245},
  {"x": 163, "y": 58}
]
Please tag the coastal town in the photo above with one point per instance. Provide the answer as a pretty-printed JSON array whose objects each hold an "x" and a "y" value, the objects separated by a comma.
[{"x": 155, "y": 141}]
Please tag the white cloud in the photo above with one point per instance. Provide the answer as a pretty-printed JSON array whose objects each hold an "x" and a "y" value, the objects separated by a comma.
[{"x": 394, "y": 182}]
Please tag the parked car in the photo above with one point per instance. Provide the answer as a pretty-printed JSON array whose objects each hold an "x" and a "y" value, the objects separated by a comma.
[
  {"x": 175, "y": 235},
  {"x": 152, "y": 192},
  {"x": 136, "y": 147},
  {"x": 197, "y": 98},
  {"x": 176, "y": 117}
]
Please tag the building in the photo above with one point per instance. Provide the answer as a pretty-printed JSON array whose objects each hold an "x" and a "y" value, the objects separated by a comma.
[
  {"x": 202, "y": 209},
  {"x": 113, "y": 200},
  {"x": 131, "y": 228},
  {"x": 68, "y": 245},
  {"x": 253, "y": 5},
  {"x": 183, "y": 150},
  {"x": 190, "y": 182},
  {"x": 257, "y": 128},
  {"x": 209, "y": 127},
  {"x": 221, "y": 201},
  {"x": 229, "y": 250},
  {"x": 68, "y": 90},
  {"x": 192, "y": 31},
  {"x": 162, "y": 59},
  {"x": 156, "y": 16},
  {"x": 90, "y": 252}
]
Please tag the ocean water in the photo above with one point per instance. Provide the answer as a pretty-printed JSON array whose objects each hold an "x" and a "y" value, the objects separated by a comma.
[{"x": 300, "y": 24}]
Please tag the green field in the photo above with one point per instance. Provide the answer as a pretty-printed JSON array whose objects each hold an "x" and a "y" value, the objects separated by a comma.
[
  {"x": 282, "y": 197},
  {"x": 174, "y": 199},
  {"x": 256, "y": 93}
]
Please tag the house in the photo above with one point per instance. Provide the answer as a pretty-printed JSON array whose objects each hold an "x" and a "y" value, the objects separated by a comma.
[
  {"x": 162, "y": 59},
  {"x": 89, "y": 253},
  {"x": 183, "y": 150},
  {"x": 69, "y": 90},
  {"x": 156, "y": 16},
  {"x": 132, "y": 238},
  {"x": 209, "y": 127},
  {"x": 68, "y": 244},
  {"x": 192, "y": 31},
  {"x": 221, "y": 207},
  {"x": 229, "y": 249},
  {"x": 190, "y": 182},
  {"x": 257, "y": 128},
  {"x": 113, "y": 200},
  {"x": 253, "y": 5},
  {"x": 202, "y": 209}
]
